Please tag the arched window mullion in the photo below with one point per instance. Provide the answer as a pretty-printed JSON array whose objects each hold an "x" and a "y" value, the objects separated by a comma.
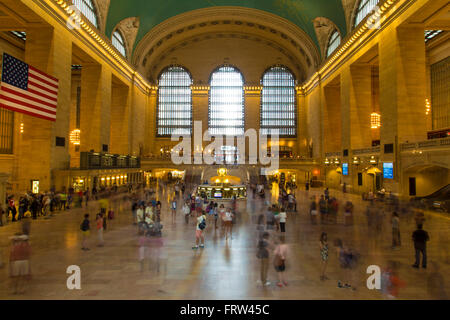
[
  {"x": 226, "y": 102},
  {"x": 333, "y": 42},
  {"x": 119, "y": 42},
  {"x": 278, "y": 102},
  {"x": 174, "y": 102},
  {"x": 363, "y": 10},
  {"x": 87, "y": 8}
]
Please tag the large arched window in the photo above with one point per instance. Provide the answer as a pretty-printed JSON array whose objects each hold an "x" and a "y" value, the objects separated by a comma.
[
  {"x": 174, "y": 102},
  {"x": 226, "y": 102},
  {"x": 87, "y": 8},
  {"x": 119, "y": 42},
  {"x": 333, "y": 42},
  {"x": 364, "y": 8},
  {"x": 278, "y": 105}
]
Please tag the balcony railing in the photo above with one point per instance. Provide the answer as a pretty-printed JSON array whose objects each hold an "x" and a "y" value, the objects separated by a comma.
[
  {"x": 373, "y": 150},
  {"x": 428, "y": 144}
]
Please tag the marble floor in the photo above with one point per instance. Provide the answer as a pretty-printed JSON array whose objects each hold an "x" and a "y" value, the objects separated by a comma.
[{"x": 224, "y": 269}]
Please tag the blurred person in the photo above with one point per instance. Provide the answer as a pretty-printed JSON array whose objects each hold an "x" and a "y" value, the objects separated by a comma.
[
  {"x": 436, "y": 283},
  {"x": 142, "y": 251},
  {"x": 420, "y": 238},
  {"x": 262, "y": 254},
  {"x": 390, "y": 281},
  {"x": 313, "y": 210},
  {"x": 174, "y": 209},
  {"x": 270, "y": 219},
  {"x": 201, "y": 226},
  {"x": 347, "y": 260},
  {"x": 324, "y": 254},
  {"x": 396, "y": 243},
  {"x": 280, "y": 255},
  {"x": 282, "y": 220},
  {"x": 228, "y": 220},
  {"x": 323, "y": 208},
  {"x": 348, "y": 213},
  {"x": 187, "y": 212},
  {"x": 19, "y": 259},
  {"x": 100, "y": 221},
  {"x": 85, "y": 230}
]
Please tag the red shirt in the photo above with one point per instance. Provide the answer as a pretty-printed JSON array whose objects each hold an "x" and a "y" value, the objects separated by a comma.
[{"x": 20, "y": 251}]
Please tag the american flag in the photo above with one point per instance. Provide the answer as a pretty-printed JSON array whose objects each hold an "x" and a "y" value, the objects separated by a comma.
[{"x": 27, "y": 90}]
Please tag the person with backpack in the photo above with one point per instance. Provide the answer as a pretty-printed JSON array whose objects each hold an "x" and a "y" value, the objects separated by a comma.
[
  {"x": 201, "y": 226},
  {"x": 85, "y": 230}
]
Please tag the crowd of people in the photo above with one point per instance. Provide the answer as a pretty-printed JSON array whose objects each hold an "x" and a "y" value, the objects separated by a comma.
[{"x": 202, "y": 213}]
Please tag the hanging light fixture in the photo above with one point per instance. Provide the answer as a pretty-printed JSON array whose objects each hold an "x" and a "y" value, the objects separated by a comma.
[
  {"x": 375, "y": 121},
  {"x": 74, "y": 137}
]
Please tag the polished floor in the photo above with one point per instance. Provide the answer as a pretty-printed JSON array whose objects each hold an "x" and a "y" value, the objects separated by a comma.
[{"x": 223, "y": 270}]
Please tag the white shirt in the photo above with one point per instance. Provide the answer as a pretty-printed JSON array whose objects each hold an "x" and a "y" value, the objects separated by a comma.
[
  {"x": 140, "y": 215},
  {"x": 228, "y": 216},
  {"x": 282, "y": 216}
]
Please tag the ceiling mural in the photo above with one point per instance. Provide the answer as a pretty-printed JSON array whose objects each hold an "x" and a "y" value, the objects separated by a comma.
[{"x": 300, "y": 12}]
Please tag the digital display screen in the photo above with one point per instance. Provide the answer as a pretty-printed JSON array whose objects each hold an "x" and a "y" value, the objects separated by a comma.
[
  {"x": 388, "y": 170},
  {"x": 345, "y": 169},
  {"x": 217, "y": 194}
]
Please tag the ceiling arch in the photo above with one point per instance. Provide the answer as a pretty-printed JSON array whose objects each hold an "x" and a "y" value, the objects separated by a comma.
[
  {"x": 299, "y": 12},
  {"x": 243, "y": 23}
]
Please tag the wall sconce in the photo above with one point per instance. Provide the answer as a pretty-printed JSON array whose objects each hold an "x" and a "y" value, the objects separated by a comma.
[
  {"x": 356, "y": 160},
  {"x": 427, "y": 106},
  {"x": 21, "y": 128}
]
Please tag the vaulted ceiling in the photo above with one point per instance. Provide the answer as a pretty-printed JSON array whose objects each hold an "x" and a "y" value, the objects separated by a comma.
[{"x": 151, "y": 13}]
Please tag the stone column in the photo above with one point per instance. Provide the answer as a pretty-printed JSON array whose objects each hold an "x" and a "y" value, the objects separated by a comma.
[
  {"x": 3, "y": 180},
  {"x": 95, "y": 107},
  {"x": 402, "y": 93},
  {"x": 51, "y": 52},
  {"x": 120, "y": 120},
  {"x": 356, "y": 101}
]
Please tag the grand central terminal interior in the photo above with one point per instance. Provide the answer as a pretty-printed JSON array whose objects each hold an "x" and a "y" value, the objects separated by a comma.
[{"x": 314, "y": 137}]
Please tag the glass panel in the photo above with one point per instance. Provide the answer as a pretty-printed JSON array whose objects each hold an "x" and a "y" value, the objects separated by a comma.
[
  {"x": 335, "y": 41},
  {"x": 174, "y": 102},
  {"x": 278, "y": 103},
  {"x": 119, "y": 43},
  {"x": 87, "y": 9},
  {"x": 226, "y": 102},
  {"x": 364, "y": 8},
  {"x": 20, "y": 34}
]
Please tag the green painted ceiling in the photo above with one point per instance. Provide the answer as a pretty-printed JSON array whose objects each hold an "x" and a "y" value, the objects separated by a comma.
[{"x": 153, "y": 12}]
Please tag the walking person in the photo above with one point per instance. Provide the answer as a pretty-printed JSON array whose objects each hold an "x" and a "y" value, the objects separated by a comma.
[
  {"x": 187, "y": 212},
  {"x": 174, "y": 209},
  {"x": 420, "y": 238},
  {"x": 347, "y": 259},
  {"x": 263, "y": 255},
  {"x": 283, "y": 217},
  {"x": 85, "y": 230},
  {"x": 348, "y": 213},
  {"x": 100, "y": 222},
  {"x": 395, "y": 231},
  {"x": 201, "y": 226},
  {"x": 19, "y": 259},
  {"x": 280, "y": 254},
  {"x": 323, "y": 208},
  {"x": 228, "y": 220},
  {"x": 324, "y": 254},
  {"x": 313, "y": 210}
]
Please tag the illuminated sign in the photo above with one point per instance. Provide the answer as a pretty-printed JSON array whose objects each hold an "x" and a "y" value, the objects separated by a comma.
[
  {"x": 345, "y": 169},
  {"x": 35, "y": 186},
  {"x": 388, "y": 170}
]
